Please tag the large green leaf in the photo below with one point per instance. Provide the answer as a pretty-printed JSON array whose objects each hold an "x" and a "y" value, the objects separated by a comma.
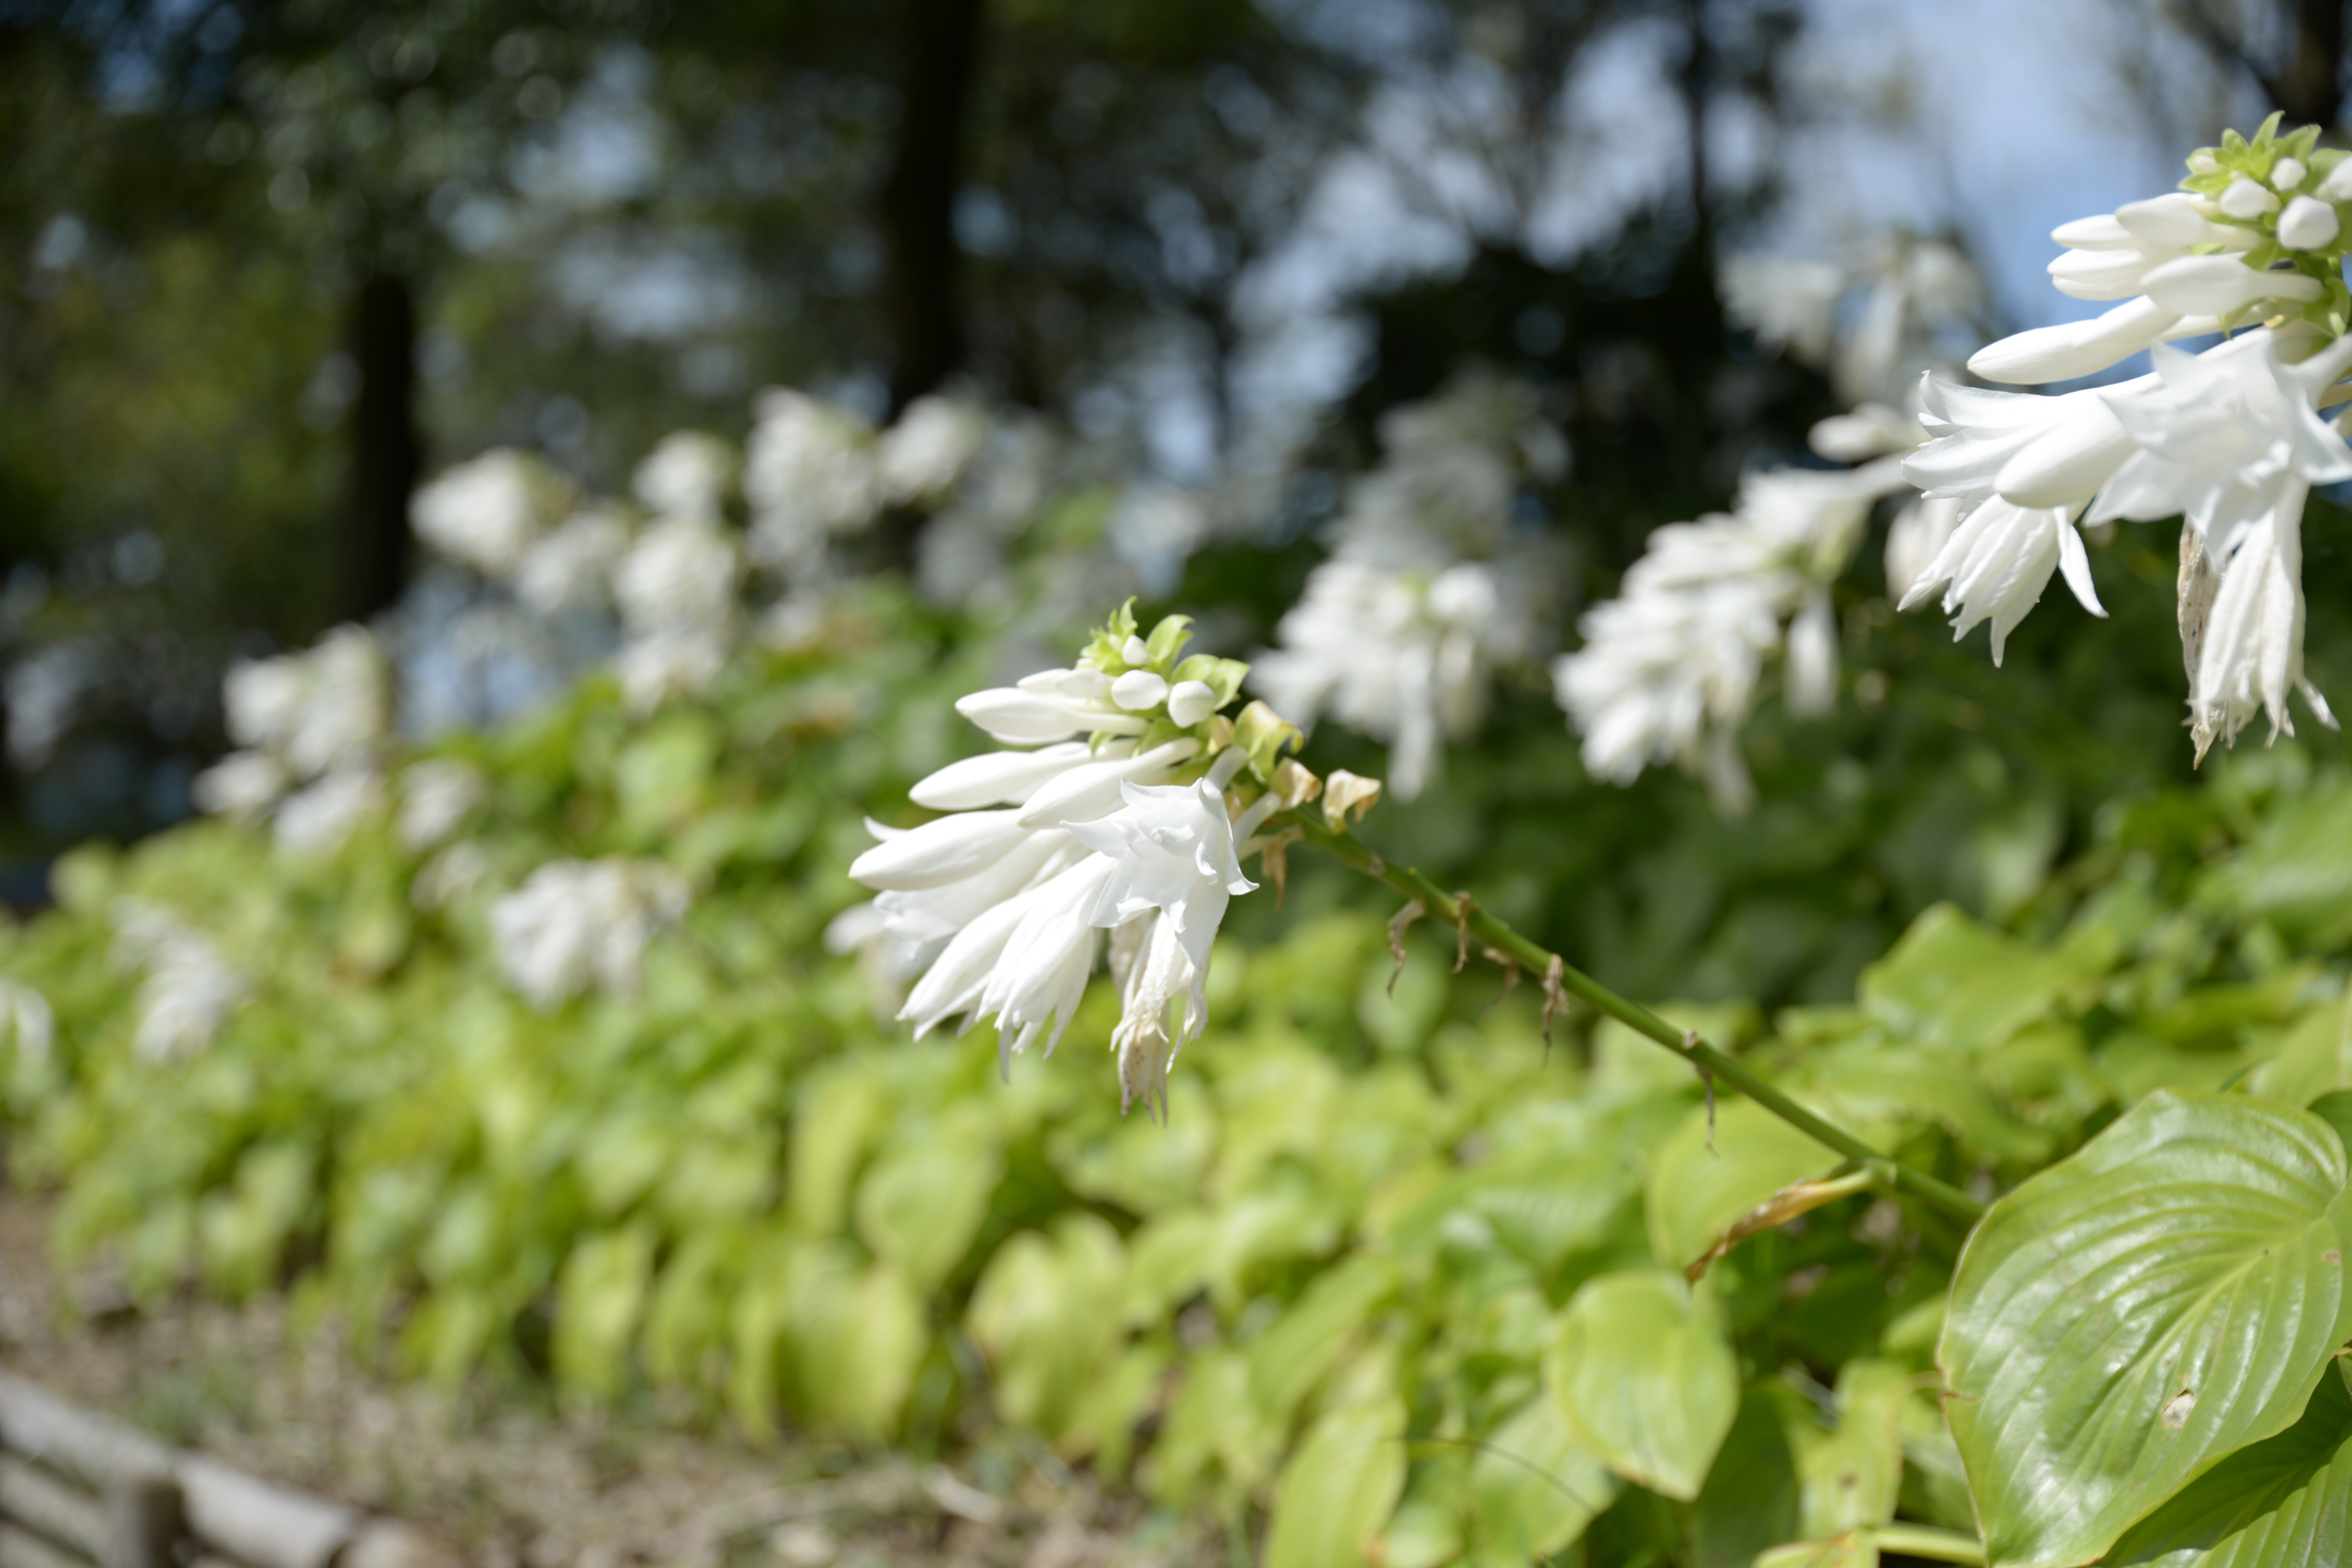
[
  {"x": 1532, "y": 1487},
  {"x": 2285, "y": 1503},
  {"x": 1338, "y": 1488},
  {"x": 1644, "y": 1378},
  {"x": 2133, "y": 1314},
  {"x": 1953, "y": 984}
]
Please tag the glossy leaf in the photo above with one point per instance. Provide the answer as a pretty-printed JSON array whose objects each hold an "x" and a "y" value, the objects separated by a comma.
[
  {"x": 1533, "y": 1487},
  {"x": 2284, "y": 1502},
  {"x": 2126, "y": 1319},
  {"x": 1644, "y": 1379}
]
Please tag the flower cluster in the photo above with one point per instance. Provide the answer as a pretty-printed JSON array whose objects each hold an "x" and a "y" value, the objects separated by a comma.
[
  {"x": 189, "y": 989},
  {"x": 317, "y": 724},
  {"x": 1669, "y": 667},
  {"x": 1124, "y": 800},
  {"x": 2229, "y": 439},
  {"x": 1872, "y": 319},
  {"x": 1428, "y": 589},
  {"x": 577, "y": 924}
]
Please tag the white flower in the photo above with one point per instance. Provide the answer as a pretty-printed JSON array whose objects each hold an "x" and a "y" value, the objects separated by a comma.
[
  {"x": 808, "y": 474},
  {"x": 572, "y": 568},
  {"x": 577, "y": 924},
  {"x": 326, "y": 709},
  {"x": 483, "y": 513},
  {"x": 242, "y": 785},
  {"x": 1870, "y": 431},
  {"x": 1998, "y": 560},
  {"x": 925, "y": 452},
  {"x": 1911, "y": 292},
  {"x": 190, "y": 989},
  {"x": 28, "y": 1021},
  {"x": 685, "y": 475},
  {"x": 450, "y": 876},
  {"x": 436, "y": 795},
  {"x": 665, "y": 665},
  {"x": 1913, "y": 539},
  {"x": 317, "y": 819},
  {"x": 2252, "y": 652},
  {"x": 1788, "y": 302},
  {"x": 999, "y": 903},
  {"x": 679, "y": 575},
  {"x": 1670, "y": 666}
]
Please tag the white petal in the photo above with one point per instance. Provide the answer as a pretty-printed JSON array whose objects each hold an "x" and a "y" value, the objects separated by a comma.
[
  {"x": 1139, "y": 688},
  {"x": 940, "y": 852},
  {"x": 2075, "y": 562},
  {"x": 2220, "y": 285},
  {"x": 2075, "y": 349},
  {"x": 995, "y": 777},
  {"x": 1188, "y": 702}
]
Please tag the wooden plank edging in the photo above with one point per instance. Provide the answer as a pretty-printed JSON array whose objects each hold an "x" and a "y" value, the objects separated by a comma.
[{"x": 82, "y": 1490}]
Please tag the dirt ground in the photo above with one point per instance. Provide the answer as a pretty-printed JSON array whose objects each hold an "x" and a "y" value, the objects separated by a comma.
[{"x": 511, "y": 1486}]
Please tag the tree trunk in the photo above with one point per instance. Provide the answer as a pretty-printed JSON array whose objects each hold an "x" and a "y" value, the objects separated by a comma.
[
  {"x": 917, "y": 206},
  {"x": 385, "y": 452},
  {"x": 2310, "y": 83}
]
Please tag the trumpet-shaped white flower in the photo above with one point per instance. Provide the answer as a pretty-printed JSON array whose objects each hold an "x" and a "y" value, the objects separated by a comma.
[
  {"x": 324, "y": 710},
  {"x": 484, "y": 512},
  {"x": 686, "y": 475},
  {"x": 999, "y": 904},
  {"x": 577, "y": 924},
  {"x": 1995, "y": 563},
  {"x": 1670, "y": 666},
  {"x": 436, "y": 795},
  {"x": 808, "y": 473},
  {"x": 190, "y": 989},
  {"x": 2252, "y": 654},
  {"x": 679, "y": 575}
]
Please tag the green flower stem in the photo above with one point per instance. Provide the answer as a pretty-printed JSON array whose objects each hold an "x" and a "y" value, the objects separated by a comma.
[
  {"x": 1717, "y": 1065},
  {"x": 1924, "y": 1540}
]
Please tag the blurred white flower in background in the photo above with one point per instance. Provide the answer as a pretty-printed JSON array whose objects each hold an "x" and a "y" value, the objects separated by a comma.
[
  {"x": 574, "y": 924},
  {"x": 243, "y": 785},
  {"x": 926, "y": 450},
  {"x": 570, "y": 568},
  {"x": 436, "y": 795},
  {"x": 28, "y": 1021},
  {"x": 485, "y": 512},
  {"x": 189, "y": 989},
  {"x": 686, "y": 475},
  {"x": 1874, "y": 319},
  {"x": 1670, "y": 668},
  {"x": 809, "y": 475},
  {"x": 677, "y": 588},
  {"x": 316, "y": 721},
  {"x": 1427, "y": 591},
  {"x": 317, "y": 818}
]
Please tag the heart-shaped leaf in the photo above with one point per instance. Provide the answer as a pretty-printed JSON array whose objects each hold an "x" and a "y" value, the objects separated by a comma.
[
  {"x": 2129, "y": 1317},
  {"x": 1645, "y": 1379},
  {"x": 2285, "y": 1503}
]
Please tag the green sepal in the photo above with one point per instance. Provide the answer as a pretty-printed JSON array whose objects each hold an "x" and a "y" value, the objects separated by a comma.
[
  {"x": 1158, "y": 732},
  {"x": 1222, "y": 676},
  {"x": 1106, "y": 650},
  {"x": 1262, "y": 733},
  {"x": 1166, "y": 641}
]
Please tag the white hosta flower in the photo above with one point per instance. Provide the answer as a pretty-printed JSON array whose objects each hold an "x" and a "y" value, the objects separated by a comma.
[
  {"x": 1907, "y": 295},
  {"x": 242, "y": 786},
  {"x": 679, "y": 575},
  {"x": 450, "y": 876},
  {"x": 808, "y": 474},
  {"x": 656, "y": 668},
  {"x": 1995, "y": 563},
  {"x": 686, "y": 475},
  {"x": 1401, "y": 655},
  {"x": 436, "y": 795},
  {"x": 325, "y": 710},
  {"x": 1870, "y": 430},
  {"x": 577, "y": 924},
  {"x": 28, "y": 1021},
  {"x": 919, "y": 457},
  {"x": 1788, "y": 302},
  {"x": 1918, "y": 532},
  {"x": 189, "y": 991},
  {"x": 572, "y": 568},
  {"x": 483, "y": 513},
  {"x": 1670, "y": 668},
  {"x": 317, "y": 818},
  {"x": 2253, "y": 651}
]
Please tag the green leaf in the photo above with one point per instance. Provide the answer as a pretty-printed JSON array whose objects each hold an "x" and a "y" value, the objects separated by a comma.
[
  {"x": 1338, "y": 1488},
  {"x": 1222, "y": 676},
  {"x": 922, "y": 1201},
  {"x": 1303, "y": 1344},
  {"x": 2284, "y": 1502},
  {"x": 1644, "y": 1378},
  {"x": 1533, "y": 1488},
  {"x": 1166, "y": 641},
  {"x": 1850, "y": 1477},
  {"x": 1695, "y": 1192},
  {"x": 1045, "y": 1316},
  {"x": 2126, "y": 1318},
  {"x": 599, "y": 1297},
  {"x": 1751, "y": 1500},
  {"x": 1952, "y": 983}
]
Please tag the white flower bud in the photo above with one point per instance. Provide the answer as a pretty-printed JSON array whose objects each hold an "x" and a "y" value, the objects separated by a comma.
[
  {"x": 2245, "y": 199},
  {"x": 2307, "y": 224},
  {"x": 1139, "y": 688},
  {"x": 1190, "y": 702},
  {"x": 1136, "y": 651},
  {"x": 2219, "y": 285},
  {"x": 2337, "y": 186},
  {"x": 2287, "y": 174},
  {"x": 2204, "y": 163}
]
